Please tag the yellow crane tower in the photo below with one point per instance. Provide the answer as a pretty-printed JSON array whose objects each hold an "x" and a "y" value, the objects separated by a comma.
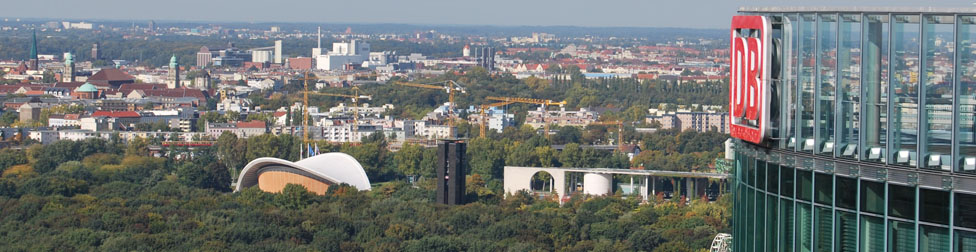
[
  {"x": 484, "y": 118},
  {"x": 543, "y": 102},
  {"x": 620, "y": 131},
  {"x": 449, "y": 86}
]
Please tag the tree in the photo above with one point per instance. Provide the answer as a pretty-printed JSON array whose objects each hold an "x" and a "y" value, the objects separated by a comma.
[
  {"x": 212, "y": 175},
  {"x": 293, "y": 196},
  {"x": 409, "y": 159}
]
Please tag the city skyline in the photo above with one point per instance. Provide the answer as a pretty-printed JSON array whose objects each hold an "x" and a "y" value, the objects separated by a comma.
[{"x": 618, "y": 13}]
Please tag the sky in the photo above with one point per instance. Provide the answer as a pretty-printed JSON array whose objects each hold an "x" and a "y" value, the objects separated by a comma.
[{"x": 591, "y": 13}]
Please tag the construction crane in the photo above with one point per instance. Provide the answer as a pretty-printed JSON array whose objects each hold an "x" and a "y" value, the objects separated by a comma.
[
  {"x": 543, "y": 102},
  {"x": 620, "y": 131},
  {"x": 484, "y": 118},
  {"x": 355, "y": 100},
  {"x": 449, "y": 86}
]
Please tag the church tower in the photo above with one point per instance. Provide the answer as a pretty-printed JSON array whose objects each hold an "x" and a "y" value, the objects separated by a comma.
[
  {"x": 32, "y": 61},
  {"x": 69, "y": 68},
  {"x": 174, "y": 73}
]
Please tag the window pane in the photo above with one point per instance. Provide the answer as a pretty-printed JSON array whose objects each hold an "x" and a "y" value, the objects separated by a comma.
[
  {"x": 807, "y": 78},
  {"x": 804, "y": 185},
  {"x": 965, "y": 241},
  {"x": 805, "y": 224},
  {"x": 750, "y": 218},
  {"x": 966, "y": 134},
  {"x": 934, "y": 206},
  {"x": 872, "y": 197},
  {"x": 846, "y": 193},
  {"x": 875, "y": 88},
  {"x": 965, "y": 210},
  {"x": 827, "y": 61},
  {"x": 849, "y": 91},
  {"x": 933, "y": 239},
  {"x": 824, "y": 222},
  {"x": 824, "y": 188},
  {"x": 872, "y": 233},
  {"x": 761, "y": 231},
  {"x": 771, "y": 223},
  {"x": 901, "y": 236},
  {"x": 793, "y": 83},
  {"x": 772, "y": 178},
  {"x": 786, "y": 177},
  {"x": 786, "y": 234},
  {"x": 761, "y": 175},
  {"x": 751, "y": 171},
  {"x": 901, "y": 201},
  {"x": 937, "y": 77},
  {"x": 905, "y": 53},
  {"x": 846, "y": 230}
]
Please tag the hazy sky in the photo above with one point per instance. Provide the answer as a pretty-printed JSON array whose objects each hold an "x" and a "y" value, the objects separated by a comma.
[{"x": 633, "y": 13}]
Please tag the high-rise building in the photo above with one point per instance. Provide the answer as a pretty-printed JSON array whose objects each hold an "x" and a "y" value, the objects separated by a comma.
[
  {"x": 277, "y": 52},
  {"x": 152, "y": 26},
  {"x": 94, "y": 52},
  {"x": 32, "y": 58},
  {"x": 486, "y": 58},
  {"x": 204, "y": 57},
  {"x": 854, "y": 129},
  {"x": 174, "y": 73},
  {"x": 466, "y": 52}
]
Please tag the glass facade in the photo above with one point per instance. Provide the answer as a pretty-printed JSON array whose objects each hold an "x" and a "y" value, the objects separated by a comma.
[{"x": 874, "y": 144}]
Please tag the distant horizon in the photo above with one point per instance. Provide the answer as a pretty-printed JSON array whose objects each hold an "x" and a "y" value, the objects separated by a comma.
[{"x": 503, "y": 13}]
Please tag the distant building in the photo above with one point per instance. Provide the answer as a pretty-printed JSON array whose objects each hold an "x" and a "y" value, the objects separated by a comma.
[
  {"x": 278, "y": 52},
  {"x": 30, "y": 112},
  {"x": 316, "y": 173},
  {"x": 204, "y": 57},
  {"x": 68, "y": 74},
  {"x": 539, "y": 117},
  {"x": 94, "y": 52},
  {"x": 342, "y": 54},
  {"x": 696, "y": 121},
  {"x": 300, "y": 63},
  {"x": 241, "y": 129},
  {"x": 466, "y": 52},
  {"x": 263, "y": 56}
]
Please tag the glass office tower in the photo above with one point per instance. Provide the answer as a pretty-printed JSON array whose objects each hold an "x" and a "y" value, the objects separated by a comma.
[{"x": 873, "y": 144}]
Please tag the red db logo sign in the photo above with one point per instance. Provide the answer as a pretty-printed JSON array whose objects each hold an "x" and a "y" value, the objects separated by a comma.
[{"x": 749, "y": 77}]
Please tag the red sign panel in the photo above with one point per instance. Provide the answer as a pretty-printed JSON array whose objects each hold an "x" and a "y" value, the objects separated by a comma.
[{"x": 749, "y": 78}]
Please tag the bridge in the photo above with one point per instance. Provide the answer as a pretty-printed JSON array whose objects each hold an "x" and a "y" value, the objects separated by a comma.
[{"x": 599, "y": 181}]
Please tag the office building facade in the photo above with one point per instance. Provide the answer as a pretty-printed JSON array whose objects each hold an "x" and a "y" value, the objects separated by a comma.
[{"x": 854, "y": 129}]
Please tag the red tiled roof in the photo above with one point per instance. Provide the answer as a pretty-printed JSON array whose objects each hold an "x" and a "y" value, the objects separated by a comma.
[
  {"x": 251, "y": 124},
  {"x": 117, "y": 114},
  {"x": 280, "y": 113},
  {"x": 72, "y": 116}
]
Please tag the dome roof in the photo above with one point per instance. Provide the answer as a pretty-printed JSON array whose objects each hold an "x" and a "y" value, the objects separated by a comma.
[
  {"x": 334, "y": 167},
  {"x": 87, "y": 87}
]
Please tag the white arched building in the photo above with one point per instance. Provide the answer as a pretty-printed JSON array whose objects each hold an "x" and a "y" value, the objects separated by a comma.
[{"x": 316, "y": 173}]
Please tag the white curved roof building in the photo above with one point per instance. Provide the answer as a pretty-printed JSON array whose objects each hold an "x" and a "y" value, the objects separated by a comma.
[{"x": 316, "y": 173}]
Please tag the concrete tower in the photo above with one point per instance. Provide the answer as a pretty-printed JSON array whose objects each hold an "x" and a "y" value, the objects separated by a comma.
[
  {"x": 94, "y": 52},
  {"x": 69, "y": 68},
  {"x": 277, "y": 52},
  {"x": 467, "y": 51},
  {"x": 32, "y": 61},
  {"x": 174, "y": 73}
]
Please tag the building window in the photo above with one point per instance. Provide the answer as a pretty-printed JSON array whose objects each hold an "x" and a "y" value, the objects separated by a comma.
[
  {"x": 807, "y": 80},
  {"x": 938, "y": 82},
  {"x": 827, "y": 69},
  {"x": 875, "y": 88},
  {"x": 934, "y": 206},
  {"x": 872, "y": 197},
  {"x": 965, "y": 210},
  {"x": 824, "y": 188},
  {"x": 786, "y": 181},
  {"x": 848, "y": 92},
  {"x": 905, "y": 80},
  {"x": 804, "y": 185},
  {"x": 901, "y": 201},
  {"x": 966, "y": 87},
  {"x": 846, "y": 193}
]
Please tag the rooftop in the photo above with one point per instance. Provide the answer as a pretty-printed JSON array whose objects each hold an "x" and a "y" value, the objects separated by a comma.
[{"x": 875, "y": 9}]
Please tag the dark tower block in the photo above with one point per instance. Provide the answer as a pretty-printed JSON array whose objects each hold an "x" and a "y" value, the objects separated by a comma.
[{"x": 450, "y": 172}]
